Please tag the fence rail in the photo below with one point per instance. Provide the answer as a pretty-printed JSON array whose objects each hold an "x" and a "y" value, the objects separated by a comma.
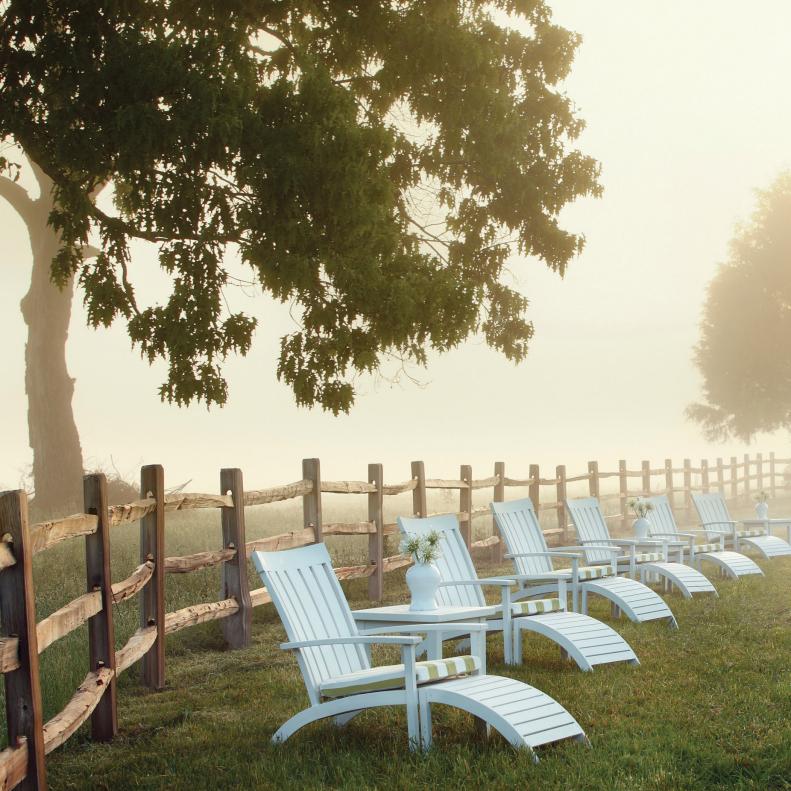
[{"x": 22, "y": 764}]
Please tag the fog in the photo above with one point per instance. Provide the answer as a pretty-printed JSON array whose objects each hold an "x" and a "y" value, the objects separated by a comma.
[{"x": 686, "y": 111}]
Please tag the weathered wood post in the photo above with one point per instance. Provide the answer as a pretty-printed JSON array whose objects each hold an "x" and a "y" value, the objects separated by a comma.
[
  {"x": 311, "y": 502},
  {"x": 101, "y": 631},
  {"x": 704, "y": 475},
  {"x": 465, "y": 503},
  {"x": 734, "y": 478},
  {"x": 687, "y": 488},
  {"x": 24, "y": 712},
  {"x": 623, "y": 484},
  {"x": 594, "y": 484},
  {"x": 646, "y": 478},
  {"x": 419, "y": 507},
  {"x": 669, "y": 493},
  {"x": 746, "y": 476},
  {"x": 720, "y": 477},
  {"x": 498, "y": 496},
  {"x": 534, "y": 489},
  {"x": 152, "y": 597},
  {"x": 772, "y": 473},
  {"x": 560, "y": 494},
  {"x": 759, "y": 469},
  {"x": 376, "y": 541},
  {"x": 237, "y": 628}
]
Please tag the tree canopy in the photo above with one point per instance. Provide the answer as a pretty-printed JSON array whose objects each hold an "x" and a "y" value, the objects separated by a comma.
[
  {"x": 743, "y": 351},
  {"x": 373, "y": 163}
]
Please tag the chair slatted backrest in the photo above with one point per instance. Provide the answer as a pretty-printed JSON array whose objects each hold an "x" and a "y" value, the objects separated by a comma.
[
  {"x": 712, "y": 508},
  {"x": 660, "y": 517},
  {"x": 311, "y": 604},
  {"x": 454, "y": 562},
  {"x": 520, "y": 530},
  {"x": 591, "y": 527}
]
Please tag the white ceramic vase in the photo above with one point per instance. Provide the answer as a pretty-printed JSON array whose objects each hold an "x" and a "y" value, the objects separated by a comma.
[
  {"x": 762, "y": 510},
  {"x": 641, "y": 527},
  {"x": 422, "y": 580}
]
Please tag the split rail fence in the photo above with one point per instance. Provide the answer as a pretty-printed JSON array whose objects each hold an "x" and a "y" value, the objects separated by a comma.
[{"x": 22, "y": 639}]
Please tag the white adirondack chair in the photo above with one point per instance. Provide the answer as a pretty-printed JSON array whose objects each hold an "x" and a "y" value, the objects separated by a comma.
[
  {"x": 591, "y": 528},
  {"x": 715, "y": 518},
  {"x": 663, "y": 526},
  {"x": 521, "y": 532},
  {"x": 587, "y": 641},
  {"x": 341, "y": 682}
]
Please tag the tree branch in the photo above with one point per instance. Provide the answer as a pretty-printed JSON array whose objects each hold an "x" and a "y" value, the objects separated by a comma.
[{"x": 17, "y": 196}]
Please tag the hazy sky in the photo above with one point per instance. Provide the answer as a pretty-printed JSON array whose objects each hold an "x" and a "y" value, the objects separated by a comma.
[{"x": 686, "y": 109}]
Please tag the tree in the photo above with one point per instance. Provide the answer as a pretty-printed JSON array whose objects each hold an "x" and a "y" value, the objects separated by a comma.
[
  {"x": 374, "y": 164},
  {"x": 743, "y": 349}
]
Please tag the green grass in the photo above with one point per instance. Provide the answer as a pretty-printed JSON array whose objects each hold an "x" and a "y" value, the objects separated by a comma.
[{"x": 708, "y": 708}]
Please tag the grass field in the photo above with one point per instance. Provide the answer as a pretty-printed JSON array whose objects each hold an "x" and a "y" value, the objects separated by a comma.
[{"x": 709, "y": 707}]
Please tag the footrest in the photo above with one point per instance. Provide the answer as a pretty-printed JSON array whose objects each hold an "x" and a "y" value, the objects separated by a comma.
[
  {"x": 768, "y": 546},
  {"x": 688, "y": 580},
  {"x": 586, "y": 640},
  {"x": 733, "y": 563},
  {"x": 637, "y": 601},
  {"x": 525, "y": 716}
]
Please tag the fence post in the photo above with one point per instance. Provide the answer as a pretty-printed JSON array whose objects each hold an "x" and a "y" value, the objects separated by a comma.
[
  {"x": 747, "y": 476},
  {"x": 687, "y": 488},
  {"x": 772, "y": 473},
  {"x": 720, "y": 478},
  {"x": 237, "y": 628},
  {"x": 419, "y": 507},
  {"x": 534, "y": 489},
  {"x": 646, "y": 468},
  {"x": 734, "y": 478},
  {"x": 593, "y": 479},
  {"x": 311, "y": 502},
  {"x": 704, "y": 475},
  {"x": 669, "y": 493},
  {"x": 465, "y": 503},
  {"x": 498, "y": 497},
  {"x": 759, "y": 465},
  {"x": 623, "y": 484},
  {"x": 563, "y": 522},
  {"x": 376, "y": 541},
  {"x": 152, "y": 597},
  {"x": 24, "y": 713},
  {"x": 101, "y": 631}
]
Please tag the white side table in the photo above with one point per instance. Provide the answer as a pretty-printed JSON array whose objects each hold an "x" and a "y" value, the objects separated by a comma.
[
  {"x": 768, "y": 524},
  {"x": 401, "y": 615}
]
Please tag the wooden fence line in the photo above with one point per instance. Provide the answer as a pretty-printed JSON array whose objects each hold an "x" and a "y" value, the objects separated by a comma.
[{"x": 22, "y": 764}]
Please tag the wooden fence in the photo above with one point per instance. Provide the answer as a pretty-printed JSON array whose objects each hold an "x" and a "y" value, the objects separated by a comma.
[{"x": 22, "y": 639}]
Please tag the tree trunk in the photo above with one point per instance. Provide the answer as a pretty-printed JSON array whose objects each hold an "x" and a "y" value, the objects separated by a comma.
[{"x": 46, "y": 309}]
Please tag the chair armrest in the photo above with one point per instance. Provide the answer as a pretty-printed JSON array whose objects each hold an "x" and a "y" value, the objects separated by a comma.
[
  {"x": 359, "y": 639},
  {"x": 545, "y": 555},
  {"x": 614, "y": 551},
  {"x": 462, "y": 626},
  {"x": 721, "y": 522},
  {"x": 715, "y": 530},
  {"x": 501, "y": 582}
]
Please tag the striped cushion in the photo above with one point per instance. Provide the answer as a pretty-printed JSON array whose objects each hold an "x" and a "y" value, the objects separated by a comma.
[
  {"x": 536, "y": 606},
  {"x": 749, "y": 533},
  {"x": 594, "y": 572},
  {"x": 643, "y": 557},
  {"x": 708, "y": 547},
  {"x": 392, "y": 676}
]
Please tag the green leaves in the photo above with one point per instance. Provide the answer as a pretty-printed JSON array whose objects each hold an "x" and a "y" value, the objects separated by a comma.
[
  {"x": 741, "y": 353},
  {"x": 374, "y": 163}
]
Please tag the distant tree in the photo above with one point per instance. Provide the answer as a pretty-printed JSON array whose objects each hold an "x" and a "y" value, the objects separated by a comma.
[
  {"x": 373, "y": 163},
  {"x": 743, "y": 352}
]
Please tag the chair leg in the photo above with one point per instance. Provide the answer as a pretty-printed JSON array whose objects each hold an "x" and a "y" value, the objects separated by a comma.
[
  {"x": 517, "y": 646},
  {"x": 584, "y": 607},
  {"x": 425, "y": 724}
]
